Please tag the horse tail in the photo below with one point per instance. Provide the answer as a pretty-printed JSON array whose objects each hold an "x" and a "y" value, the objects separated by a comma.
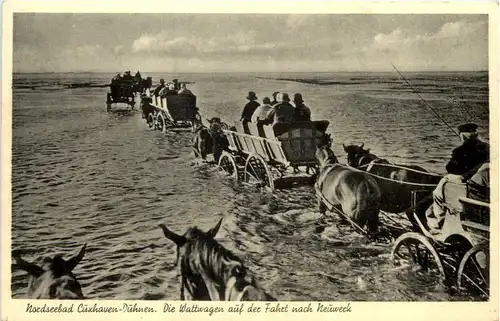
[{"x": 368, "y": 196}]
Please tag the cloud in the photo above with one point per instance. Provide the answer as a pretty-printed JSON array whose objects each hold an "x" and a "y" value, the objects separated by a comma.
[{"x": 450, "y": 31}]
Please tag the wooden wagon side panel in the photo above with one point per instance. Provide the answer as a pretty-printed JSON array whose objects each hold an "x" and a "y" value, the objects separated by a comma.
[{"x": 181, "y": 107}]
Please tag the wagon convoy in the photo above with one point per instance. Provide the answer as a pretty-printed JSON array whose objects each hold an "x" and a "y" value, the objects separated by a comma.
[{"x": 270, "y": 155}]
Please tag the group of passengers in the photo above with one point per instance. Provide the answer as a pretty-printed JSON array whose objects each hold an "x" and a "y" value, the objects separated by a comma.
[
  {"x": 172, "y": 88},
  {"x": 117, "y": 85},
  {"x": 279, "y": 110}
]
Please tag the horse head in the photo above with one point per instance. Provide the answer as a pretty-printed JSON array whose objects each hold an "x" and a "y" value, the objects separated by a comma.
[
  {"x": 355, "y": 154},
  {"x": 325, "y": 155},
  {"x": 211, "y": 272},
  {"x": 54, "y": 279}
]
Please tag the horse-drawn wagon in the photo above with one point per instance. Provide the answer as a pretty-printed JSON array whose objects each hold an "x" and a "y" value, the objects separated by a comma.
[
  {"x": 121, "y": 95},
  {"x": 174, "y": 111},
  {"x": 459, "y": 251},
  {"x": 265, "y": 154}
]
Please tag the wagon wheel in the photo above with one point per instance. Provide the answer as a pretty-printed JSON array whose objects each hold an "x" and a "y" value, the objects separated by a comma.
[
  {"x": 473, "y": 272},
  {"x": 228, "y": 164},
  {"x": 160, "y": 123},
  {"x": 151, "y": 120},
  {"x": 257, "y": 171},
  {"x": 417, "y": 249}
]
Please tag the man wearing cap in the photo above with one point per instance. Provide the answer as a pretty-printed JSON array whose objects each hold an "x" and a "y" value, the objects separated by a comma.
[
  {"x": 283, "y": 111},
  {"x": 250, "y": 107},
  {"x": 156, "y": 92},
  {"x": 302, "y": 112},
  {"x": 262, "y": 111},
  {"x": 464, "y": 163}
]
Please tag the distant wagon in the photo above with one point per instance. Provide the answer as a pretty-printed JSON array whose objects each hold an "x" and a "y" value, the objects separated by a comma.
[
  {"x": 175, "y": 111},
  {"x": 122, "y": 95},
  {"x": 265, "y": 154}
]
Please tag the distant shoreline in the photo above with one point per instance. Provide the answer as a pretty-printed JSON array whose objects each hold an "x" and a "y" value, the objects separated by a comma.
[{"x": 255, "y": 72}]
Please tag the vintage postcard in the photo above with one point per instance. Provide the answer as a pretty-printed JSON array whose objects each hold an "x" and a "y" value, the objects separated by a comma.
[{"x": 324, "y": 159}]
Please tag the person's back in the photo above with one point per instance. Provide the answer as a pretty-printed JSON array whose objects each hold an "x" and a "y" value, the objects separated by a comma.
[
  {"x": 157, "y": 90},
  {"x": 184, "y": 90},
  {"x": 283, "y": 111},
  {"x": 250, "y": 107},
  {"x": 262, "y": 111},
  {"x": 302, "y": 112}
]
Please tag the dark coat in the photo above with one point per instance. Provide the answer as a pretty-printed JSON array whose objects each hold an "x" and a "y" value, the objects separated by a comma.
[
  {"x": 468, "y": 157},
  {"x": 302, "y": 112},
  {"x": 282, "y": 113},
  {"x": 248, "y": 110}
]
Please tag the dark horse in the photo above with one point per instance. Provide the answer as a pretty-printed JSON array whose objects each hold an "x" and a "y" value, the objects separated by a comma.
[
  {"x": 53, "y": 278},
  {"x": 395, "y": 180},
  {"x": 210, "y": 140},
  {"x": 353, "y": 192},
  {"x": 209, "y": 272}
]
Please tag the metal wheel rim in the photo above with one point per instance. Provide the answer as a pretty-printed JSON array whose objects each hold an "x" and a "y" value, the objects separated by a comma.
[
  {"x": 257, "y": 170},
  {"x": 228, "y": 165},
  {"x": 160, "y": 123},
  {"x": 464, "y": 276},
  {"x": 418, "y": 256},
  {"x": 151, "y": 120}
]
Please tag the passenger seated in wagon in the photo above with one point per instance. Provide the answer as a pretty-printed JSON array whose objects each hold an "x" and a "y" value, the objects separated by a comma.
[
  {"x": 250, "y": 107},
  {"x": 467, "y": 165},
  {"x": 302, "y": 112},
  {"x": 185, "y": 91},
  {"x": 262, "y": 111},
  {"x": 283, "y": 111},
  {"x": 168, "y": 91},
  {"x": 157, "y": 90}
]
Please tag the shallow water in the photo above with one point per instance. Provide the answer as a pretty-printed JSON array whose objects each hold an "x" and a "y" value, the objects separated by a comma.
[{"x": 81, "y": 175}]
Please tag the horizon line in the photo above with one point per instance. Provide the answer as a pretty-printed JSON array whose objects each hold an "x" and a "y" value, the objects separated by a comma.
[{"x": 246, "y": 72}]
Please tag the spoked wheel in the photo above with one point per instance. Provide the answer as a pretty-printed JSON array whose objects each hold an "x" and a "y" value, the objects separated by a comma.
[
  {"x": 473, "y": 272},
  {"x": 417, "y": 249},
  {"x": 151, "y": 120},
  {"x": 257, "y": 172},
  {"x": 160, "y": 123},
  {"x": 228, "y": 164}
]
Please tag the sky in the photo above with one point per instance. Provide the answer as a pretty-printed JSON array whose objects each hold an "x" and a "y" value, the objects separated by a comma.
[{"x": 62, "y": 42}]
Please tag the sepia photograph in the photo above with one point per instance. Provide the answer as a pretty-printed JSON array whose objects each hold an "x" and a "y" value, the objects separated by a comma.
[{"x": 337, "y": 157}]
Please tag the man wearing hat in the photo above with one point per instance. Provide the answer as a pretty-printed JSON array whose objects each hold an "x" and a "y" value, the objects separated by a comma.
[
  {"x": 302, "y": 112},
  {"x": 250, "y": 107},
  {"x": 464, "y": 163},
  {"x": 156, "y": 92},
  {"x": 283, "y": 111},
  {"x": 274, "y": 102},
  {"x": 262, "y": 111},
  {"x": 471, "y": 154}
]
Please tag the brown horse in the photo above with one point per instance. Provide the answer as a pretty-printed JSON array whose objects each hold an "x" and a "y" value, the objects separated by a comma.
[
  {"x": 211, "y": 272},
  {"x": 54, "y": 278},
  {"x": 356, "y": 193},
  {"x": 210, "y": 140},
  {"x": 395, "y": 180}
]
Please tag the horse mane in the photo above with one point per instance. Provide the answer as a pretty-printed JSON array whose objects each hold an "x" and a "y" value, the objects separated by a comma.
[{"x": 209, "y": 255}]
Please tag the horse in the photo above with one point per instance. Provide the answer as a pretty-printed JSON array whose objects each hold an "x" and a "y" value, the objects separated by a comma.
[
  {"x": 210, "y": 272},
  {"x": 395, "y": 180},
  {"x": 355, "y": 192},
  {"x": 53, "y": 278},
  {"x": 210, "y": 140}
]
